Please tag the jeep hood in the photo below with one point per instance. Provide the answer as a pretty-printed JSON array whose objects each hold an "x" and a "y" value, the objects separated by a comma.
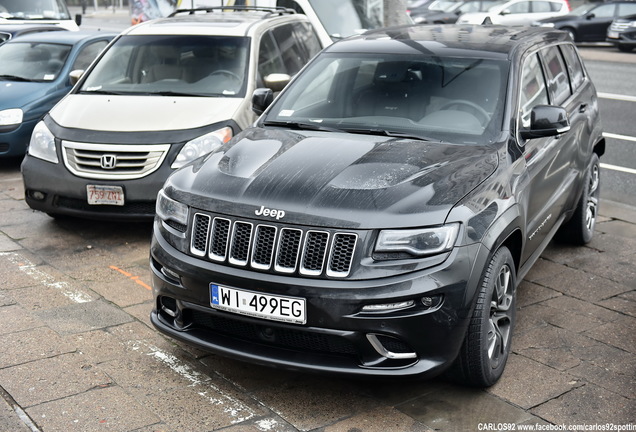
[
  {"x": 334, "y": 179},
  {"x": 141, "y": 113}
]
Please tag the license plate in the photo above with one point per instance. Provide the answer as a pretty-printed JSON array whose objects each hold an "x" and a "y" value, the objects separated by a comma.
[
  {"x": 105, "y": 195},
  {"x": 613, "y": 35},
  {"x": 255, "y": 304}
]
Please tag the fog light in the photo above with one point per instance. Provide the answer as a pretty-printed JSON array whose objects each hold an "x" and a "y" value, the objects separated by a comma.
[
  {"x": 388, "y": 306},
  {"x": 37, "y": 195},
  {"x": 430, "y": 302}
]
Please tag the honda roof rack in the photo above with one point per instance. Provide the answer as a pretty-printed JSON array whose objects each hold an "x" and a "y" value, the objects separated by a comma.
[{"x": 272, "y": 10}]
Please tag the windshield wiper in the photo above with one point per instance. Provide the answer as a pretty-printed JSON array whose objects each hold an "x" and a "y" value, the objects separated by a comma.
[
  {"x": 384, "y": 132},
  {"x": 15, "y": 78},
  {"x": 104, "y": 92},
  {"x": 301, "y": 126},
  {"x": 174, "y": 93}
]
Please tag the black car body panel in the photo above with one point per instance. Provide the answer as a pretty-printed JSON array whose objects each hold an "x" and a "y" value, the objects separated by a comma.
[{"x": 310, "y": 208}]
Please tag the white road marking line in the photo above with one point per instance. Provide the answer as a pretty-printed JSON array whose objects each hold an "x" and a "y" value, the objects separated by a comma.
[
  {"x": 619, "y": 137},
  {"x": 618, "y": 168},
  {"x": 616, "y": 97},
  {"x": 30, "y": 269},
  {"x": 232, "y": 406}
]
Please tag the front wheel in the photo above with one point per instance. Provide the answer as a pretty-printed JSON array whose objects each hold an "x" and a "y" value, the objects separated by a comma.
[
  {"x": 580, "y": 229},
  {"x": 486, "y": 347}
]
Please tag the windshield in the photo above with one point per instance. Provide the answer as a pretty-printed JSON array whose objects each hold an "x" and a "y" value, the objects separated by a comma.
[
  {"x": 178, "y": 65},
  {"x": 445, "y": 99},
  {"x": 23, "y": 61},
  {"x": 342, "y": 18},
  {"x": 34, "y": 9}
]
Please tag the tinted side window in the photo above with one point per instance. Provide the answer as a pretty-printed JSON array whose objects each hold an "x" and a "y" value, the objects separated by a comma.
[
  {"x": 533, "y": 89},
  {"x": 575, "y": 68},
  {"x": 269, "y": 58},
  {"x": 542, "y": 6},
  {"x": 606, "y": 10},
  {"x": 88, "y": 54},
  {"x": 519, "y": 7},
  {"x": 626, "y": 8},
  {"x": 307, "y": 39},
  {"x": 558, "y": 81},
  {"x": 293, "y": 51}
]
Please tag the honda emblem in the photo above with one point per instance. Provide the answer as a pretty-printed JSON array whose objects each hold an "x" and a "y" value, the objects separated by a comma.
[{"x": 108, "y": 161}]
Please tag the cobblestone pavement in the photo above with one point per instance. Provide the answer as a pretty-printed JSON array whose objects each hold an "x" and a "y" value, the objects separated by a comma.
[{"x": 79, "y": 354}]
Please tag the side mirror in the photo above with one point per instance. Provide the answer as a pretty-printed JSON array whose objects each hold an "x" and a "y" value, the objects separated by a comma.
[
  {"x": 75, "y": 75},
  {"x": 78, "y": 19},
  {"x": 276, "y": 81},
  {"x": 505, "y": 12},
  {"x": 590, "y": 16},
  {"x": 261, "y": 99},
  {"x": 545, "y": 121}
]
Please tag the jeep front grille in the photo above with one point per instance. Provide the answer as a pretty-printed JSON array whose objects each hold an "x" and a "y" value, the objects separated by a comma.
[
  {"x": 113, "y": 161},
  {"x": 267, "y": 247}
]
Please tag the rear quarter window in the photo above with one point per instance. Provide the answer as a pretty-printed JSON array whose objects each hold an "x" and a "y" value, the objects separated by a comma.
[
  {"x": 557, "y": 75},
  {"x": 574, "y": 65}
]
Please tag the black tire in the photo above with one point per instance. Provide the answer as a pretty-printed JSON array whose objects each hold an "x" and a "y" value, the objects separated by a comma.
[
  {"x": 579, "y": 230},
  {"x": 486, "y": 347}
]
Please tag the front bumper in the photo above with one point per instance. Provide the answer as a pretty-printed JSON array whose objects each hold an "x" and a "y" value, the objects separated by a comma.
[
  {"x": 15, "y": 139},
  {"x": 338, "y": 337},
  {"x": 627, "y": 39},
  {"x": 51, "y": 188}
]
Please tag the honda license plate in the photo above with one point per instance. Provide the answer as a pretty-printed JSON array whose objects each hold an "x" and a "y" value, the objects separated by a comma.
[
  {"x": 105, "y": 195},
  {"x": 255, "y": 304}
]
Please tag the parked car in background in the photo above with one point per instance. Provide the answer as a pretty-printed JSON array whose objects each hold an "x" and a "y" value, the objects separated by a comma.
[
  {"x": 622, "y": 33},
  {"x": 447, "y": 12},
  {"x": 378, "y": 217},
  {"x": 589, "y": 22},
  {"x": 34, "y": 76},
  {"x": 164, "y": 93},
  {"x": 10, "y": 31},
  {"x": 41, "y": 12},
  {"x": 517, "y": 12}
]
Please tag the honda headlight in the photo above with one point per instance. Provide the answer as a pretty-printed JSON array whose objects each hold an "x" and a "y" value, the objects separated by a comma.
[
  {"x": 11, "y": 117},
  {"x": 42, "y": 144},
  {"x": 201, "y": 146},
  {"x": 418, "y": 242},
  {"x": 169, "y": 209}
]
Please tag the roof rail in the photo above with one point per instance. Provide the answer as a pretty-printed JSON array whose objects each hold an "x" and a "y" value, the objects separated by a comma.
[{"x": 274, "y": 10}]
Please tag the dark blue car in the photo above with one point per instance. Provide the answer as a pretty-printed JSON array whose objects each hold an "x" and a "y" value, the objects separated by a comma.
[{"x": 34, "y": 76}]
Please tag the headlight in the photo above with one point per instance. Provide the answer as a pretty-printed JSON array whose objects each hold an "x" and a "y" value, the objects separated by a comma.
[
  {"x": 169, "y": 209},
  {"x": 418, "y": 242},
  {"x": 11, "y": 117},
  {"x": 42, "y": 144},
  {"x": 201, "y": 146}
]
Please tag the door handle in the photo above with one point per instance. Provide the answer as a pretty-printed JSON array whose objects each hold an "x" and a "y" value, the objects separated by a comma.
[{"x": 582, "y": 107}]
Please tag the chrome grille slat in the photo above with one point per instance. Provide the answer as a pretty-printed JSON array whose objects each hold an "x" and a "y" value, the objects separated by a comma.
[
  {"x": 133, "y": 161},
  {"x": 240, "y": 243},
  {"x": 219, "y": 239},
  {"x": 268, "y": 247},
  {"x": 288, "y": 250}
]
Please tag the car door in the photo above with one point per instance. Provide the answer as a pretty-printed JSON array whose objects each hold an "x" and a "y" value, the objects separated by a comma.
[
  {"x": 594, "y": 25},
  {"x": 544, "y": 80}
]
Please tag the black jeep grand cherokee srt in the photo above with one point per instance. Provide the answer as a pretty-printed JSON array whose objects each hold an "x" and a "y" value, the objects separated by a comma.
[{"x": 378, "y": 218}]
